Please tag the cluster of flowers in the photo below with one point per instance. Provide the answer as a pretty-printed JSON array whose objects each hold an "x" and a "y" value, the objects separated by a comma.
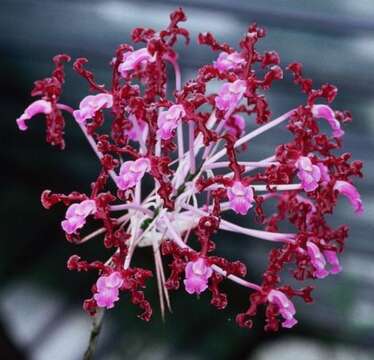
[{"x": 147, "y": 140}]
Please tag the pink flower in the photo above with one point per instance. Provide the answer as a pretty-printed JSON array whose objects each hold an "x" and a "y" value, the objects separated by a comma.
[
  {"x": 114, "y": 280},
  {"x": 37, "y": 107},
  {"x": 91, "y": 104},
  {"x": 235, "y": 125},
  {"x": 325, "y": 112},
  {"x": 230, "y": 94},
  {"x": 133, "y": 59},
  {"x": 285, "y": 307},
  {"x": 317, "y": 259},
  {"x": 226, "y": 61},
  {"x": 168, "y": 121},
  {"x": 308, "y": 173},
  {"x": 349, "y": 191},
  {"x": 137, "y": 130},
  {"x": 76, "y": 215},
  {"x": 325, "y": 177},
  {"x": 108, "y": 290},
  {"x": 107, "y": 297},
  {"x": 131, "y": 173},
  {"x": 197, "y": 275},
  {"x": 333, "y": 260},
  {"x": 240, "y": 198}
]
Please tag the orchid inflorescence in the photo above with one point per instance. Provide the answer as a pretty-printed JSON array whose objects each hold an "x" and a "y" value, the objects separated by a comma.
[{"x": 197, "y": 177}]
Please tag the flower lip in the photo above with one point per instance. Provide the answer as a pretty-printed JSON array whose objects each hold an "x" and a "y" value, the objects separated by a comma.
[
  {"x": 131, "y": 172},
  {"x": 285, "y": 307},
  {"x": 240, "y": 197},
  {"x": 325, "y": 112},
  {"x": 108, "y": 289},
  {"x": 133, "y": 59},
  {"x": 76, "y": 215},
  {"x": 92, "y": 104},
  {"x": 230, "y": 94},
  {"x": 198, "y": 273},
  {"x": 226, "y": 61},
  {"x": 106, "y": 298},
  {"x": 317, "y": 259},
  {"x": 350, "y": 192},
  {"x": 168, "y": 121},
  {"x": 137, "y": 130},
  {"x": 37, "y": 107},
  {"x": 309, "y": 174}
]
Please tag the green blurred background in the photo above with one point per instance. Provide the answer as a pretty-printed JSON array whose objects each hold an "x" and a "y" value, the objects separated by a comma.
[{"x": 40, "y": 301}]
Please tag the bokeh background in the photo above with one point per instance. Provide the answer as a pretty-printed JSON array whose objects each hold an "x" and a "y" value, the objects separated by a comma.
[{"x": 40, "y": 301}]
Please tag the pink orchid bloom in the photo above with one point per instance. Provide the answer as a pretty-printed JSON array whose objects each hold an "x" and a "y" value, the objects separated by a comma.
[
  {"x": 137, "y": 130},
  {"x": 285, "y": 306},
  {"x": 168, "y": 121},
  {"x": 107, "y": 297},
  {"x": 308, "y": 173},
  {"x": 108, "y": 290},
  {"x": 76, "y": 215},
  {"x": 37, "y": 107},
  {"x": 317, "y": 259},
  {"x": 133, "y": 59},
  {"x": 235, "y": 125},
  {"x": 351, "y": 193},
  {"x": 226, "y": 61},
  {"x": 240, "y": 198},
  {"x": 114, "y": 280},
  {"x": 91, "y": 104},
  {"x": 230, "y": 94},
  {"x": 131, "y": 172},
  {"x": 325, "y": 112},
  {"x": 197, "y": 275},
  {"x": 324, "y": 170},
  {"x": 333, "y": 260}
]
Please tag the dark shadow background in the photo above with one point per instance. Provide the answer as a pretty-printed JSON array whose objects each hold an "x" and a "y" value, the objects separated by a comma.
[{"x": 40, "y": 301}]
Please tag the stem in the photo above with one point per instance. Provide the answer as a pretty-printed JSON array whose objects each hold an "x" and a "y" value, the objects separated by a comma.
[
  {"x": 121, "y": 220},
  {"x": 208, "y": 149},
  {"x": 142, "y": 146},
  {"x": 247, "y": 164},
  {"x": 131, "y": 207},
  {"x": 252, "y": 135},
  {"x": 135, "y": 241},
  {"x": 179, "y": 241},
  {"x": 198, "y": 143},
  {"x": 236, "y": 279},
  {"x": 191, "y": 127},
  {"x": 95, "y": 332},
  {"x": 88, "y": 137},
  {"x": 260, "y": 163},
  {"x": 95, "y": 149},
  {"x": 92, "y": 235},
  {"x": 180, "y": 140},
  {"x": 264, "y": 235},
  {"x": 260, "y": 234},
  {"x": 280, "y": 187},
  {"x": 273, "y": 187},
  {"x": 178, "y": 86},
  {"x": 178, "y": 77}
]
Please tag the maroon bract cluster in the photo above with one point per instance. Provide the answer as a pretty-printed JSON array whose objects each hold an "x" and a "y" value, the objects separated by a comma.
[{"x": 187, "y": 145}]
